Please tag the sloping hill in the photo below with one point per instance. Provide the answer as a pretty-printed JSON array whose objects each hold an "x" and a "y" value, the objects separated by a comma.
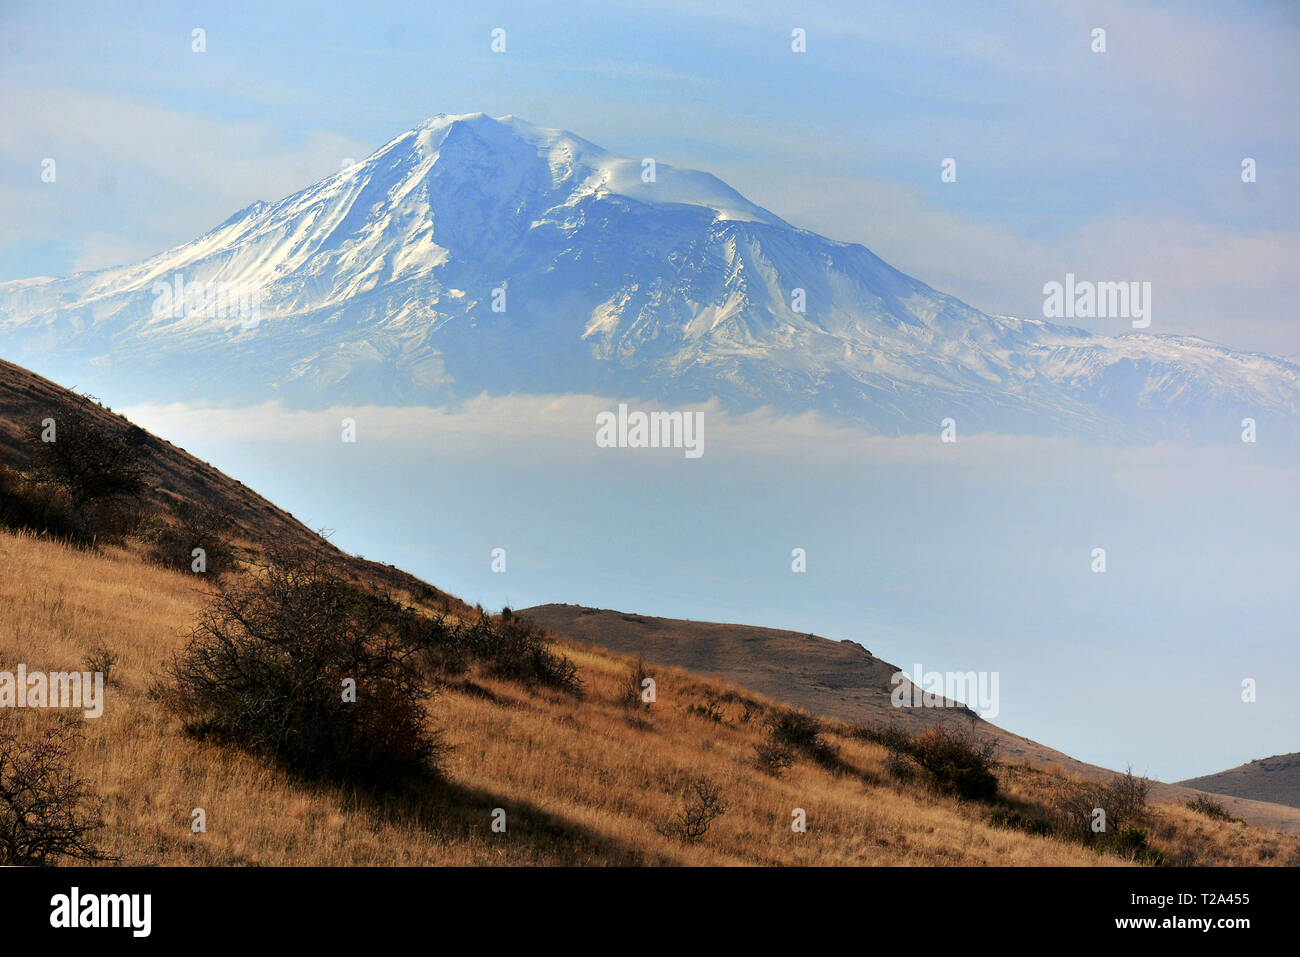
[
  {"x": 582, "y": 780},
  {"x": 840, "y": 679},
  {"x": 1275, "y": 779},
  {"x": 174, "y": 477},
  {"x": 837, "y": 679}
]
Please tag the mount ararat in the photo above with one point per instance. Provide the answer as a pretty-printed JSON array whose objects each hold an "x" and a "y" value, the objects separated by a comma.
[{"x": 477, "y": 255}]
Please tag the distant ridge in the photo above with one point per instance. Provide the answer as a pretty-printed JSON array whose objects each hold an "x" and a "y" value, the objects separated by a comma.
[
  {"x": 838, "y": 679},
  {"x": 1275, "y": 779}
]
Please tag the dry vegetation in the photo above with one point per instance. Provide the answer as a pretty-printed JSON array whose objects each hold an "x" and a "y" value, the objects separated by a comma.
[{"x": 589, "y": 778}]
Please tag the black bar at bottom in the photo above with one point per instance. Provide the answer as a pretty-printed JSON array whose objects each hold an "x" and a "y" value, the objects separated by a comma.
[{"x": 729, "y": 906}]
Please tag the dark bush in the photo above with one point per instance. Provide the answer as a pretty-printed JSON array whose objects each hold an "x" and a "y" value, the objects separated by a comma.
[
  {"x": 1016, "y": 820},
  {"x": 710, "y": 707},
  {"x": 900, "y": 766},
  {"x": 446, "y": 647},
  {"x": 889, "y": 736},
  {"x": 772, "y": 757},
  {"x": 509, "y": 647},
  {"x": 897, "y": 742},
  {"x": 1214, "y": 810},
  {"x": 44, "y": 509},
  {"x": 1131, "y": 843},
  {"x": 802, "y": 733},
  {"x": 957, "y": 762},
  {"x": 267, "y": 667},
  {"x": 1126, "y": 796},
  {"x": 94, "y": 460},
  {"x": 173, "y": 543},
  {"x": 516, "y": 648},
  {"x": 85, "y": 481},
  {"x": 795, "y": 729},
  {"x": 47, "y": 813}
]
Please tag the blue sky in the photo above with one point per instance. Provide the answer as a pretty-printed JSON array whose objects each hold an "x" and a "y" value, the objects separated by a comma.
[{"x": 1122, "y": 165}]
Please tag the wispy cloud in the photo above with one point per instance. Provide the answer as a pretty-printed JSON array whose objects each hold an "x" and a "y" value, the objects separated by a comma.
[
  {"x": 563, "y": 428},
  {"x": 135, "y": 178}
]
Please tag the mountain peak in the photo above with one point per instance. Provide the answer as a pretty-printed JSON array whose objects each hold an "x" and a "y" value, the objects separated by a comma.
[
  {"x": 626, "y": 276},
  {"x": 507, "y": 146}
]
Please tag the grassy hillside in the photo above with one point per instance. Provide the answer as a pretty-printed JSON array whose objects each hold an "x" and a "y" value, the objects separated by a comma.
[
  {"x": 844, "y": 680},
  {"x": 840, "y": 679},
  {"x": 582, "y": 779}
]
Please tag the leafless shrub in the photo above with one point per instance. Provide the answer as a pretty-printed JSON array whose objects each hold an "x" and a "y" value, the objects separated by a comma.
[
  {"x": 47, "y": 813},
  {"x": 1208, "y": 806},
  {"x": 702, "y": 804},
  {"x": 633, "y": 687},
  {"x": 1124, "y": 803},
  {"x": 101, "y": 661}
]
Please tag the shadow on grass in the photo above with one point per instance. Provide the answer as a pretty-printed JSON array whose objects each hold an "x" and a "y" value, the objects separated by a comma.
[{"x": 453, "y": 811}]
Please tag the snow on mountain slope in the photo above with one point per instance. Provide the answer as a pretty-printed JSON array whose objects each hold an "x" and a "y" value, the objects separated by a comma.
[{"x": 378, "y": 284}]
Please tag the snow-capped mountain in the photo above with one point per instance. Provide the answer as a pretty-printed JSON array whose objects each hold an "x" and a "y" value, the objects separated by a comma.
[{"x": 474, "y": 254}]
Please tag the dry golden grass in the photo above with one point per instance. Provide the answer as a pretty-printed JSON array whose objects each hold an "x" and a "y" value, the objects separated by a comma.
[{"x": 583, "y": 781}]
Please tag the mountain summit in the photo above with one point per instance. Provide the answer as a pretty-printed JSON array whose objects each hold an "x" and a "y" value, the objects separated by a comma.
[{"x": 475, "y": 254}]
